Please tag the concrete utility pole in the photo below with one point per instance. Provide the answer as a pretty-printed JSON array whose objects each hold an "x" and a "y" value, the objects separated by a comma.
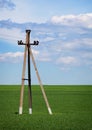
[{"x": 28, "y": 49}]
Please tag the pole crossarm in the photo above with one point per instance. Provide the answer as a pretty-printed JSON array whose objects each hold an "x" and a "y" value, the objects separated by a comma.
[
  {"x": 29, "y": 51},
  {"x": 34, "y": 43}
]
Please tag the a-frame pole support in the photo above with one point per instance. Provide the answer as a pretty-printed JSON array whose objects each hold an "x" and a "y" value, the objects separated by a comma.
[{"x": 28, "y": 49}]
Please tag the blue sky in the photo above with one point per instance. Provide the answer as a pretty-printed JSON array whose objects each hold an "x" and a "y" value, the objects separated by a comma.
[{"x": 64, "y": 30}]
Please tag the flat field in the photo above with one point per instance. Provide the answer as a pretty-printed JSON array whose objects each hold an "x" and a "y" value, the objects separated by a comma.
[{"x": 71, "y": 106}]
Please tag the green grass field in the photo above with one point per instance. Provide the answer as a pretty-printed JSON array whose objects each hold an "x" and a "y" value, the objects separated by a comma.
[{"x": 71, "y": 107}]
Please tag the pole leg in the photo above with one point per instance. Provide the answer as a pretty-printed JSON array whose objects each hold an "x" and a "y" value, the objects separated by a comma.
[
  {"x": 30, "y": 101},
  {"x": 41, "y": 86},
  {"x": 29, "y": 84},
  {"x": 29, "y": 71},
  {"x": 22, "y": 86}
]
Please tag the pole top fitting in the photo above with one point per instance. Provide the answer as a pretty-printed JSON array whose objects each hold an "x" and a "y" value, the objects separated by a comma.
[{"x": 28, "y": 31}]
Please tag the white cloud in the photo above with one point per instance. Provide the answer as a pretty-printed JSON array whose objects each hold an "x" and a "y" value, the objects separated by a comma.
[
  {"x": 7, "y": 4},
  {"x": 11, "y": 57},
  {"x": 44, "y": 56},
  {"x": 48, "y": 39},
  {"x": 35, "y": 52},
  {"x": 87, "y": 42},
  {"x": 87, "y": 58},
  {"x": 64, "y": 40},
  {"x": 12, "y": 35},
  {"x": 64, "y": 68},
  {"x": 67, "y": 60},
  {"x": 87, "y": 55},
  {"x": 22, "y": 13},
  {"x": 74, "y": 20},
  {"x": 14, "y": 57},
  {"x": 44, "y": 59}
]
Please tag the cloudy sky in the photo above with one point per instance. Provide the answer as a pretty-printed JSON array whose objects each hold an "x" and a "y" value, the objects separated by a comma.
[{"x": 64, "y": 30}]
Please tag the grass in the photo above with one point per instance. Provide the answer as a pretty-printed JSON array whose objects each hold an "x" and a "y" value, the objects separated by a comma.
[{"x": 71, "y": 107}]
